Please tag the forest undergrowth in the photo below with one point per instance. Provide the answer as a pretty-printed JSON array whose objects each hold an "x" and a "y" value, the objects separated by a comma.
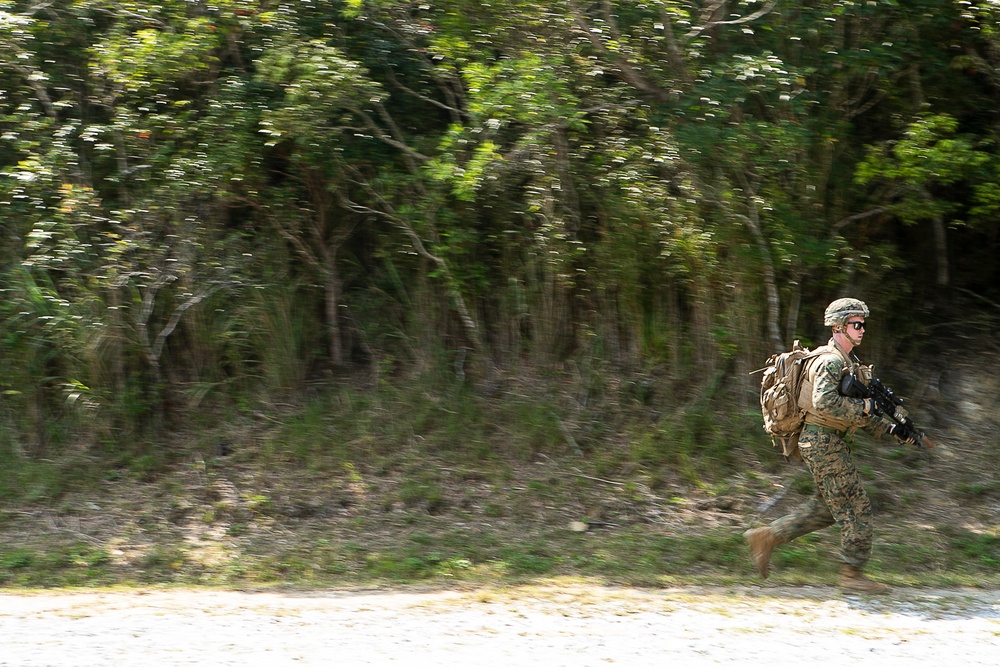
[{"x": 442, "y": 484}]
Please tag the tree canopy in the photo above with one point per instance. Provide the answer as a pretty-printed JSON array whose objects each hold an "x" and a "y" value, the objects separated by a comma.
[{"x": 212, "y": 199}]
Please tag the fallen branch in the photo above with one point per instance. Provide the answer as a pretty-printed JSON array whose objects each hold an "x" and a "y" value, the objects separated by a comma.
[{"x": 597, "y": 479}]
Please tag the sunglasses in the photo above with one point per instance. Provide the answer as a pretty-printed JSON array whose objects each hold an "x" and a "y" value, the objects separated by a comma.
[{"x": 858, "y": 326}]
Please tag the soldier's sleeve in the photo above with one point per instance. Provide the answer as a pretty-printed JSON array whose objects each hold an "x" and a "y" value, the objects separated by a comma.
[
  {"x": 878, "y": 426},
  {"x": 827, "y": 399}
]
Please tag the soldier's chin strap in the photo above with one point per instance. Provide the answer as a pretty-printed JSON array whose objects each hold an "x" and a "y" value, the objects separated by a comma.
[{"x": 846, "y": 330}]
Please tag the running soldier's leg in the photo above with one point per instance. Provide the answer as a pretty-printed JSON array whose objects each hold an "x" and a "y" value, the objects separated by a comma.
[
  {"x": 839, "y": 484},
  {"x": 813, "y": 514},
  {"x": 810, "y": 516}
]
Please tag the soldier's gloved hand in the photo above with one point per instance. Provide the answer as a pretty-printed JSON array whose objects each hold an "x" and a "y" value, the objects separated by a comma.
[
  {"x": 870, "y": 407},
  {"x": 904, "y": 433}
]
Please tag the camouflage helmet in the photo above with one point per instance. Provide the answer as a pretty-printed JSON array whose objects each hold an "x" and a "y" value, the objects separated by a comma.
[{"x": 838, "y": 312}]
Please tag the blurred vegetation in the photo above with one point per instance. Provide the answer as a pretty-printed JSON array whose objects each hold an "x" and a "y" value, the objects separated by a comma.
[{"x": 344, "y": 237}]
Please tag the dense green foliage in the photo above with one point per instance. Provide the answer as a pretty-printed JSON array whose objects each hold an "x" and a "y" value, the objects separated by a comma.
[{"x": 205, "y": 203}]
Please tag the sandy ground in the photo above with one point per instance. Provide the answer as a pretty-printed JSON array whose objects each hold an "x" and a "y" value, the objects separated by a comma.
[{"x": 571, "y": 624}]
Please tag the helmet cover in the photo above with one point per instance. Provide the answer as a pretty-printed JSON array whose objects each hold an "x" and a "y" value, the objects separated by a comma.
[{"x": 838, "y": 312}]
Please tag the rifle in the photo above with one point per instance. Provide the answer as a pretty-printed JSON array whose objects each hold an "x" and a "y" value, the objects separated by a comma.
[{"x": 886, "y": 402}]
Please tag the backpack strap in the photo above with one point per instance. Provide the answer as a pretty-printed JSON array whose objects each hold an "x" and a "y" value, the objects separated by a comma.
[
  {"x": 804, "y": 398},
  {"x": 805, "y": 390}
]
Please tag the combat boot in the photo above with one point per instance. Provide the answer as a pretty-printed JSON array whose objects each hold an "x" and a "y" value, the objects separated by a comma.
[
  {"x": 762, "y": 542},
  {"x": 852, "y": 579}
]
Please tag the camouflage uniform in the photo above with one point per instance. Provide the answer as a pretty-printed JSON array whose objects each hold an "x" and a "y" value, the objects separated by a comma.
[{"x": 839, "y": 496}]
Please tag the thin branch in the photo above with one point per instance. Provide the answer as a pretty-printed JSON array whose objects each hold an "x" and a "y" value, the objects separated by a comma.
[
  {"x": 695, "y": 31},
  {"x": 142, "y": 18},
  {"x": 30, "y": 11},
  {"x": 987, "y": 69},
  {"x": 673, "y": 48},
  {"x": 384, "y": 135},
  {"x": 979, "y": 296},
  {"x": 609, "y": 18},
  {"x": 175, "y": 318},
  {"x": 882, "y": 94},
  {"x": 597, "y": 479},
  {"x": 387, "y": 212},
  {"x": 843, "y": 222},
  {"x": 629, "y": 73},
  {"x": 711, "y": 10},
  {"x": 456, "y": 113},
  {"x": 36, "y": 85},
  {"x": 54, "y": 524},
  {"x": 148, "y": 301},
  {"x": 447, "y": 84}
]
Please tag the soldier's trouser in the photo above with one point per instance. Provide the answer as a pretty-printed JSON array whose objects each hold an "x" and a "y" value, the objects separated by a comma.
[{"x": 839, "y": 497}]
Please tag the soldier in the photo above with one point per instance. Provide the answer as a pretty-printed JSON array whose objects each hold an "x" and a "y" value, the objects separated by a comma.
[{"x": 839, "y": 495}]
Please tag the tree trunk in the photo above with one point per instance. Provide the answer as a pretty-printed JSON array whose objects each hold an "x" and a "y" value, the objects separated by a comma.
[
  {"x": 941, "y": 251},
  {"x": 332, "y": 308},
  {"x": 792, "y": 316},
  {"x": 752, "y": 220}
]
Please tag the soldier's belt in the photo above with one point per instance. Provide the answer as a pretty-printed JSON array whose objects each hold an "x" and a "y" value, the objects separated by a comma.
[{"x": 839, "y": 432}]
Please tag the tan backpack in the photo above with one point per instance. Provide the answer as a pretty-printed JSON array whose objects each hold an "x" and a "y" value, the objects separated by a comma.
[{"x": 779, "y": 393}]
